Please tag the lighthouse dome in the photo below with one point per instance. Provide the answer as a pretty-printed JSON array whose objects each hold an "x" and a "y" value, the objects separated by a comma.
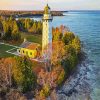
[{"x": 47, "y": 9}]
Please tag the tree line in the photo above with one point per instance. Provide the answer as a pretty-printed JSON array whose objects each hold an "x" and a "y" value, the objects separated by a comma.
[
  {"x": 69, "y": 56},
  {"x": 17, "y": 14},
  {"x": 12, "y": 28}
]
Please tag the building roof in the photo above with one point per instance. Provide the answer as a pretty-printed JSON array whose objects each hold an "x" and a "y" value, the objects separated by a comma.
[
  {"x": 29, "y": 45},
  {"x": 32, "y": 46},
  {"x": 25, "y": 44}
]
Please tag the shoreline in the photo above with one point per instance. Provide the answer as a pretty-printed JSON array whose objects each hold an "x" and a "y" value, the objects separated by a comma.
[
  {"x": 75, "y": 86},
  {"x": 17, "y": 14}
]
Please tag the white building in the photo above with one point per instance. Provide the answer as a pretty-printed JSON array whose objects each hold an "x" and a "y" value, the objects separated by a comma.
[{"x": 47, "y": 30}]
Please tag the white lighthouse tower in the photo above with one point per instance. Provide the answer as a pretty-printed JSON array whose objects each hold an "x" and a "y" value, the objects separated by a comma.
[{"x": 47, "y": 30}]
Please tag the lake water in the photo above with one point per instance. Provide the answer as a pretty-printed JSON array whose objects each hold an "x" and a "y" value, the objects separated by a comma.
[{"x": 87, "y": 26}]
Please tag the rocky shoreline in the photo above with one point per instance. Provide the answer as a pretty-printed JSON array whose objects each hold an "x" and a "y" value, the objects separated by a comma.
[{"x": 77, "y": 86}]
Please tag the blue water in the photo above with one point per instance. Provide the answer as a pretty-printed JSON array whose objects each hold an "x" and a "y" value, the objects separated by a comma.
[{"x": 87, "y": 26}]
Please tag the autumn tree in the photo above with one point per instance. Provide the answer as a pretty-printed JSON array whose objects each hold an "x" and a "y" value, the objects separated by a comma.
[
  {"x": 58, "y": 52},
  {"x": 76, "y": 44},
  {"x": 1, "y": 26},
  {"x": 27, "y": 24},
  {"x": 21, "y": 24},
  {"x": 34, "y": 27},
  {"x": 15, "y": 32},
  {"x": 15, "y": 27},
  {"x": 15, "y": 95},
  {"x": 7, "y": 30},
  {"x": 11, "y": 30},
  {"x": 39, "y": 27},
  {"x": 46, "y": 81},
  {"x": 68, "y": 37},
  {"x": 71, "y": 60},
  {"x": 57, "y": 34},
  {"x": 53, "y": 95},
  {"x": 12, "y": 27},
  {"x": 23, "y": 74},
  {"x": 6, "y": 72}
]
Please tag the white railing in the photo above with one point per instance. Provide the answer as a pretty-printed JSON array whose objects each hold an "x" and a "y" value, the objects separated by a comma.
[{"x": 47, "y": 16}]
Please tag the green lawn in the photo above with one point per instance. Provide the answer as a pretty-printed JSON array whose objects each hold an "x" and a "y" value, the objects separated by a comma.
[
  {"x": 32, "y": 38},
  {"x": 3, "y": 49},
  {"x": 36, "y": 38},
  {"x": 13, "y": 50}
]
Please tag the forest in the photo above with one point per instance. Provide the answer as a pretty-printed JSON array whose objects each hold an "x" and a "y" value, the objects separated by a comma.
[
  {"x": 17, "y": 14},
  {"x": 24, "y": 79},
  {"x": 13, "y": 28}
]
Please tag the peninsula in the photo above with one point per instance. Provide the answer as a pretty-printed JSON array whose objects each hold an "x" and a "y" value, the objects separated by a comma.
[
  {"x": 43, "y": 59},
  {"x": 8, "y": 13}
]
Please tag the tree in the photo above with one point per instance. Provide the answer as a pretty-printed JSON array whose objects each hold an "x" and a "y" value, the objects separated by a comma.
[
  {"x": 39, "y": 27},
  {"x": 68, "y": 37},
  {"x": 7, "y": 30},
  {"x": 15, "y": 95},
  {"x": 15, "y": 32},
  {"x": 70, "y": 60},
  {"x": 76, "y": 44},
  {"x": 61, "y": 76},
  {"x": 58, "y": 52},
  {"x": 11, "y": 29},
  {"x": 21, "y": 24},
  {"x": 45, "y": 91},
  {"x": 23, "y": 74},
  {"x": 57, "y": 34},
  {"x": 10, "y": 18},
  {"x": 33, "y": 29},
  {"x": 27, "y": 24},
  {"x": 53, "y": 95},
  {"x": 6, "y": 72},
  {"x": 15, "y": 28},
  {"x": 1, "y": 26}
]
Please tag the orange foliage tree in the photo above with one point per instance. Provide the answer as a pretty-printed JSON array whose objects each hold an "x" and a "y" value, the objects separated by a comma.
[{"x": 6, "y": 72}]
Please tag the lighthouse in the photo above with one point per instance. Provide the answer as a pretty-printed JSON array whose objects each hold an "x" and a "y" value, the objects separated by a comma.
[{"x": 47, "y": 31}]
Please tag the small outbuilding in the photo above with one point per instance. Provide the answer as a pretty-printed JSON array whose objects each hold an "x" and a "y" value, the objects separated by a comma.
[{"x": 29, "y": 49}]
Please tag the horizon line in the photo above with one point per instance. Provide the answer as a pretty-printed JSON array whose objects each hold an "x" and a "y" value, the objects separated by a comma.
[{"x": 51, "y": 10}]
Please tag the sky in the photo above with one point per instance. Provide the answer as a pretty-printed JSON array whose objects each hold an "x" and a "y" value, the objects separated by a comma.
[{"x": 54, "y": 4}]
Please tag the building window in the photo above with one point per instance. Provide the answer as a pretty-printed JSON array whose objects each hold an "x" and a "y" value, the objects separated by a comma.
[
  {"x": 23, "y": 51},
  {"x": 30, "y": 53}
]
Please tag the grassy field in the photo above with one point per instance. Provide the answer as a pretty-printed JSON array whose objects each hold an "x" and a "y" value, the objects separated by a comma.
[
  {"x": 3, "y": 49},
  {"x": 32, "y": 38}
]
